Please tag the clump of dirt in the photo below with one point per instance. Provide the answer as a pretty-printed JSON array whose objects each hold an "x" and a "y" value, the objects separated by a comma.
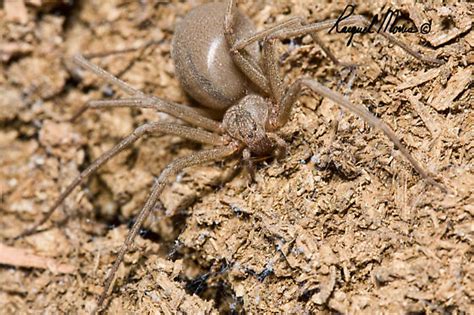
[{"x": 342, "y": 224}]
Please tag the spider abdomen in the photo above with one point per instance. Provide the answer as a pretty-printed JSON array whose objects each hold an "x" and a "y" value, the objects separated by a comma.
[{"x": 202, "y": 59}]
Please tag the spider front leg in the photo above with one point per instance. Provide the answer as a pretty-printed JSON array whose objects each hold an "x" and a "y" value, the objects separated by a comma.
[
  {"x": 362, "y": 112},
  {"x": 280, "y": 147},
  {"x": 281, "y": 112},
  {"x": 172, "y": 169},
  {"x": 155, "y": 127}
]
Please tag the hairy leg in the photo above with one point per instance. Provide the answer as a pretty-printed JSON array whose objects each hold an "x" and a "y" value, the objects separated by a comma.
[
  {"x": 103, "y": 54},
  {"x": 294, "y": 91},
  {"x": 281, "y": 145},
  {"x": 270, "y": 66},
  {"x": 176, "y": 110},
  {"x": 172, "y": 168},
  {"x": 139, "y": 99},
  {"x": 246, "y": 63},
  {"x": 174, "y": 129},
  {"x": 281, "y": 27},
  {"x": 329, "y": 24},
  {"x": 248, "y": 164},
  {"x": 280, "y": 114}
]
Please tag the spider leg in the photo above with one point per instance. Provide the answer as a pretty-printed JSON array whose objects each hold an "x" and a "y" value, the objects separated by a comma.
[
  {"x": 281, "y": 145},
  {"x": 305, "y": 28},
  {"x": 140, "y": 99},
  {"x": 248, "y": 164},
  {"x": 244, "y": 61},
  {"x": 103, "y": 54},
  {"x": 173, "y": 129},
  {"x": 281, "y": 27},
  {"x": 270, "y": 66},
  {"x": 280, "y": 115},
  {"x": 106, "y": 76},
  {"x": 170, "y": 170},
  {"x": 176, "y": 110},
  {"x": 360, "y": 111}
]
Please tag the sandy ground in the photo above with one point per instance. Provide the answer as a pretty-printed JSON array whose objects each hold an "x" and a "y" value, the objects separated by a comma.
[{"x": 342, "y": 224}]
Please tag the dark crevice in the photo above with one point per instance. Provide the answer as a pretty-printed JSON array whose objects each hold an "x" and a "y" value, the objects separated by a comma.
[{"x": 213, "y": 285}]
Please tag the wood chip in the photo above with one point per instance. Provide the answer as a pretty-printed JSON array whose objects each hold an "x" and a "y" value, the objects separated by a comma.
[
  {"x": 16, "y": 11},
  {"x": 436, "y": 34},
  {"x": 9, "y": 50},
  {"x": 431, "y": 122},
  {"x": 470, "y": 39},
  {"x": 419, "y": 79},
  {"x": 457, "y": 84},
  {"x": 439, "y": 38},
  {"x": 36, "y": 3},
  {"x": 20, "y": 257}
]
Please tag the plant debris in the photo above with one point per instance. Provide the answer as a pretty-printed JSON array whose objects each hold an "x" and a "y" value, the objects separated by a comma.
[{"x": 342, "y": 224}]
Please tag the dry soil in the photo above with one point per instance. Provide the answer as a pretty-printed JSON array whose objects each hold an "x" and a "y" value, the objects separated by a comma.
[{"x": 342, "y": 225}]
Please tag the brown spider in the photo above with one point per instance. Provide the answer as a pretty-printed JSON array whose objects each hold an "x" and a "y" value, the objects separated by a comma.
[{"x": 218, "y": 62}]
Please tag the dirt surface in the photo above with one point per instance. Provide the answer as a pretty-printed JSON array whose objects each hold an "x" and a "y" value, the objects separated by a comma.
[{"x": 343, "y": 224}]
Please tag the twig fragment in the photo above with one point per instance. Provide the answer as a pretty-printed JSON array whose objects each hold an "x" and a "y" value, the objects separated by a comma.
[{"x": 21, "y": 257}]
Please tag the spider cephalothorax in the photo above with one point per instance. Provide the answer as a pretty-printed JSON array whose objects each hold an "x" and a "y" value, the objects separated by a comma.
[{"x": 246, "y": 122}]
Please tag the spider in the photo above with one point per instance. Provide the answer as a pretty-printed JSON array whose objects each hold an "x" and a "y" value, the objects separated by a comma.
[{"x": 218, "y": 62}]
